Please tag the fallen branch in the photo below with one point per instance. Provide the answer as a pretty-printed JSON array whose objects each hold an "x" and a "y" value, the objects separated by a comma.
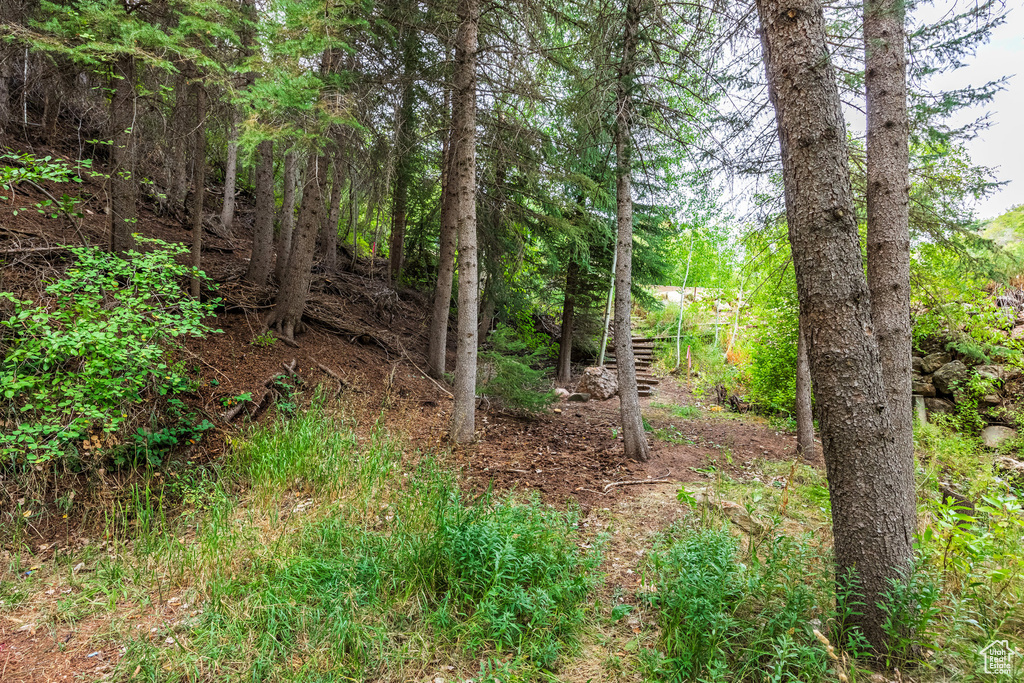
[
  {"x": 7, "y": 228},
  {"x": 342, "y": 383},
  {"x": 32, "y": 250},
  {"x": 259, "y": 404},
  {"x": 230, "y": 415},
  {"x": 406, "y": 354},
  {"x": 74, "y": 223},
  {"x": 580, "y": 488},
  {"x": 612, "y": 485}
]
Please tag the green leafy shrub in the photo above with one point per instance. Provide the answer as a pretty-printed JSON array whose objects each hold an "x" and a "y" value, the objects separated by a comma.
[
  {"x": 74, "y": 364},
  {"x": 30, "y": 168},
  {"x": 910, "y": 608},
  {"x": 515, "y": 574},
  {"x": 772, "y": 373},
  {"x": 724, "y": 620},
  {"x": 151, "y": 445},
  {"x": 512, "y": 378}
]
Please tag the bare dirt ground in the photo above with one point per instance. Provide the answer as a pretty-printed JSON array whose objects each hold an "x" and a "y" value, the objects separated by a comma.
[{"x": 578, "y": 452}]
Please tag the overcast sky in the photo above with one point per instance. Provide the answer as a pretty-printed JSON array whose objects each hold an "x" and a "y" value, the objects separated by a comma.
[{"x": 1002, "y": 145}]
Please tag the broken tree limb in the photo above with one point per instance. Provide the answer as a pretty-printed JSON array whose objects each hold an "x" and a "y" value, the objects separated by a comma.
[
  {"x": 59, "y": 205},
  {"x": 609, "y": 487},
  {"x": 342, "y": 382},
  {"x": 32, "y": 250},
  {"x": 436, "y": 383}
]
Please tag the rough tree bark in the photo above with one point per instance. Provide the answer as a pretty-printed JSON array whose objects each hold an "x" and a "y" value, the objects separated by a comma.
[
  {"x": 329, "y": 234},
  {"x": 180, "y": 142},
  {"x": 888, "y": 216},
  {"x": 564, "y": 375},
  {"x": 406, "y": 146},
  {"x": 5, "y": 98},
  {"x": 227, "y": 212},
  {"x": 634, "y": 438},
  {"x": 198, "y": 186},
  {"x": 262, "y": 257},
  {"x": 804, "y": 414},
  {"x": 353, "y": 208},
  {"x": 6, "y": 71},
  {"x": 438, "y": 334},
  {"x": 872, "y": 527},
  {"x": 124, "y": 153},
  {"x": 464, "y": 160},
  {"x": 286, "y": 219},
  {"x": 286, "y": 317}
]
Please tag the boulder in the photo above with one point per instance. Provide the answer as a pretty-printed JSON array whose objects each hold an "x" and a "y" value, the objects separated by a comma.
[
  {"x": 1010, "y": 465},
  {"x": 926, "y": 389},
  {"x": 994, "y": 435},
  {"x": 918, "y": 364},
  {"x": 939, "y": 405},
  {"x": 601, "y": 383},
  {"x": 578, "y": 398},
  {"x": 948, "y": 374},
  {"x": 934, "y": 361},
  {"x": 993, "y": 372},
  {"x": 989, "y": 400},
  {"x": 1001, "y": 373},
  {"x": 561, "y": 393}
]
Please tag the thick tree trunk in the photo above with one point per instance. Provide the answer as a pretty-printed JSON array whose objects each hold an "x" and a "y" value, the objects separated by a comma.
[
  {"x": 564, "y": 375},
  {"x": 872, "y": 526},
  {"x": 198, "y": 187},
  {"x": 291, "y": 298},
  {"x": 329, "y": 235},
  {"x": 180, "y": 143},
  {"x": 634, "y": 438},
  {"x": 888, "y": 208},
  {"x": 286, "y": 219},
  {"x": 438, "y": 336},
  {"x": 227, "y": 212},
  {"x": 263, "y": 238},
  {"x": 464, "y": 158},
  {"x": 353, "y": 207},
  {"x": 486, "y": 316},
  {"x": 406, "y": 148},
  {"x": 804, "y": 413},
  {"x": 5, "y": 86},
  {"x": 123, "y": 184}
]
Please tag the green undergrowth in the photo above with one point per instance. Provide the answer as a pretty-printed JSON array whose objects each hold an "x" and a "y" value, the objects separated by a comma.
[
  {"x": 724, "y": 617},
  {"x": 320, "y": 555},
  {"x": 741, "y": 600},
  {"x": 373, "y": 565}
]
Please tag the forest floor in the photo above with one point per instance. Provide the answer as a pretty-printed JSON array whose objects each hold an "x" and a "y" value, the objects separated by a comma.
[{"x": 568, "y": 457}]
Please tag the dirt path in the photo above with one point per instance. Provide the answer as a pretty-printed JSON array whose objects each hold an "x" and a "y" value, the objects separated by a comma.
[{"x": 577, "y": 452}]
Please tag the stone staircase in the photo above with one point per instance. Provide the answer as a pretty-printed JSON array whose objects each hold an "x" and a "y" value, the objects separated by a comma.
[{"x": 643, "y": 354}]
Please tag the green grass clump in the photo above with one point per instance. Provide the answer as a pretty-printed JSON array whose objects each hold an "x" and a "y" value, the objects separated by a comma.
[
  {"x": 725, "y": 620},
  {"x": 388, "y": 569},
  {"x": 685, "y": 412}
]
